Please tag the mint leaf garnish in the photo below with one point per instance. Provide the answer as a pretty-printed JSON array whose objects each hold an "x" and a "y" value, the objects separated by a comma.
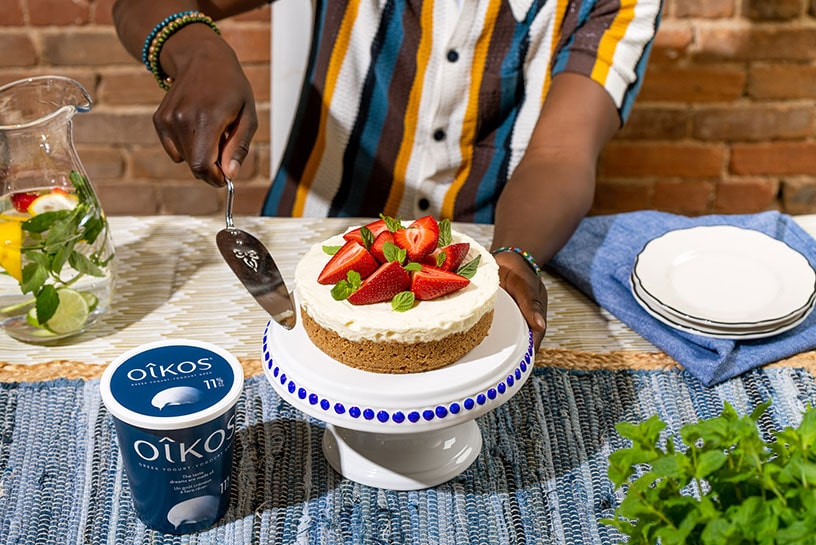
[
  {"x": 413, "y": 266},
  {"x": 331, "y": 250},
  {"x": 392, "y": 252},
  {"x": 367, "y": 236},
  {"x": 403, "y": 301},
  {"x": 393, "y": 224},
  {"x": 468, "y": 270},
  {"x": 440, "y": 258},
  {"x": 445, "y": 237}
]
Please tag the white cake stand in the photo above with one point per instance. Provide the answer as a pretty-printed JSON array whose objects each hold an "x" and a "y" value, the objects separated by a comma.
[{"x": 408, "y": 431}]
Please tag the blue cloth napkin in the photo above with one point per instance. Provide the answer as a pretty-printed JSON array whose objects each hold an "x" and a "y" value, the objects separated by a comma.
[{"x": 598, "y": 260}]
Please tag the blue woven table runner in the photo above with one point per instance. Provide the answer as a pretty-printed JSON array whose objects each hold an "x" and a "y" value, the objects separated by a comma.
[{"x": 540, "y": 478}]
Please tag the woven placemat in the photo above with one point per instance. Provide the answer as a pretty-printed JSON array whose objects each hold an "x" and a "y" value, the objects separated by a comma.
[
  {"x": 539, "y": 478},
  {"x": 546, "y": 357}
]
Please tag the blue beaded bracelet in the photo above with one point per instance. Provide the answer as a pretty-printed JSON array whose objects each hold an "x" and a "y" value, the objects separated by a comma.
[
  {"x": 523, "y": 253},
  {"x": 156, "y": 29}
]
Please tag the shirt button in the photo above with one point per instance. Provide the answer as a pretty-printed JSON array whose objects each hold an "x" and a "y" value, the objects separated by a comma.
[
  {"x": 439, "y": 135},
  {"x": 453, "y": 55},
  {"x": 424, "y": 203}
]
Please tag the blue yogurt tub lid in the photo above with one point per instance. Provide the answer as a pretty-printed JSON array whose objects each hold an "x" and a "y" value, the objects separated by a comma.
[{"x": 171, "y": 384}]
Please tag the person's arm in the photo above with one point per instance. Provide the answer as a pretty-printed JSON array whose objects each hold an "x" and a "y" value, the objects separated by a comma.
[
  {"x": 552, "y": 188},
  {"x": 208, "y": 115}
]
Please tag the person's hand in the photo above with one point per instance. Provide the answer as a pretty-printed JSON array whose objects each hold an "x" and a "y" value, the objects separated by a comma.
[
  {"x": 527, "y": 289},
  {"x": 208, "y": 117}
]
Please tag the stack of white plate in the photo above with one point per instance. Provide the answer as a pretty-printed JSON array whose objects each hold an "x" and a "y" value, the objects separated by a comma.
[{"x": 724, "y": 282}]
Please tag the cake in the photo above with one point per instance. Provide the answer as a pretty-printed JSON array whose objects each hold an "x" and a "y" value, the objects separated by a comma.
[{"x": 419, "y": 297}]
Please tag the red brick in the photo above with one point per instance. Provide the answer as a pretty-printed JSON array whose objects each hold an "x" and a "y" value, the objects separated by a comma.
[
  {"x": 743, "y": 42},
  {"x": 259, "y": 77},
  {"x": 670, "y": 160},
  {"x": 261, "y": 15},
  {"x": 690, "y": 197},
  {"x": 777, "y": 10},
  {"x": 154, "y": 163},
  {"x": 671, "y": 43},
  {"x": 129, "y": 86},
  {"x": 707, "y": 83},
  {"x": 782, "y": 81},
  {"x": 102, "y": 162},
  {"x": 58, "y": 12},
  {"x": 12, "y": 13},
  {"x": 194, "y": 198},
  {"x": 249, "y": 196},
  {"x": 656, "y": 123},
  {"x": 746, "y": 195},
  {"x": 17, "y": 48},
  {"x": 262, "y": 134},
  {"x": 614, "y": 196},
  {"x": 108, "y": 127},
  {"x": 102, "y": 12},
  {"x": 753, "y": 123},
  {"x": 127, "y": 198},
  {"x": 709, "y": 9},
  {"x": 799, "y": 195},
  {"x": 250, "y": 41},
  {"x": 768, "y": 158},
  {"x": 84, "y": 47},
  {"x": 263, "y": 157}
]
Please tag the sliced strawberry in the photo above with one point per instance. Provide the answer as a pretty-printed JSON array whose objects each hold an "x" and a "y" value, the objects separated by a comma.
[
  {"x": 454, "y": 255},
  {"x": 376, "y": 227},
  {"x": 432, "y": 282},
  {"x": 351, "y": 256},
  {"x": 22, "y": 200},
  {"x": 383, "y": 284},
  {"x": 418, "y": 239},
  {"x": 377, "y": 247}
]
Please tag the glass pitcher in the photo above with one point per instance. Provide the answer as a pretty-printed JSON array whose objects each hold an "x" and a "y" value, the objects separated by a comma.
[{"x": 57, "y": 265}]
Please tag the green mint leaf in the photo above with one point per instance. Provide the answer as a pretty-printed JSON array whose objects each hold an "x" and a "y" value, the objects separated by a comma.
[
  {"x": 393, "y": 224},
  {"x": 46, "y": 303},
  {"x": 392, "y": 252},
  {"x": 84, "y": 265},
  {"x": 44, "y": 221},
  {"x": 368, "y": 236},
  {"x": 440, "y": 258},
  {"x": 413, "y": 266},
  {"x": 93, "y": 227},
  {"x": 445, "y": 237},
  {"x": 61, "y": 257},
  {"x": 331, "y": 250},
  {"x": 341, "y": 290},
  {"x": 34, "y": 276},
  {"x": 354, "y": 279},
  {"x": 403, "y": 301},
  {"x": 468, "y": 270}
]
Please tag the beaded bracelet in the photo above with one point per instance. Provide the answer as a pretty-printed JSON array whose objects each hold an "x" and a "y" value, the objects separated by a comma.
[
  {"x": 175, "y": 24},
  {"x": 166, "y": 21},
  {"x": 523, "y": 253}
]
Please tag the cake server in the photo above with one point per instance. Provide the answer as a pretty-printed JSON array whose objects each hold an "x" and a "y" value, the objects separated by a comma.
[{"x": 250, "y": 261}]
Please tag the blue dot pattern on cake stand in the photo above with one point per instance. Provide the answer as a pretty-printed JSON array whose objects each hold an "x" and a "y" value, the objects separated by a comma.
[{"x": 334, "y": 409}]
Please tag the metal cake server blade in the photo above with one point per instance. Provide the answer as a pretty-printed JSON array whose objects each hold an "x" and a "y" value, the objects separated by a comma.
[{"x": 250, "y": 261}]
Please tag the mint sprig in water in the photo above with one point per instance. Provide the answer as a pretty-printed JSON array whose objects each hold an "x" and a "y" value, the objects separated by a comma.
[
  {"x": 52, "y": 241},
  {"x": 727, "y": 485}
]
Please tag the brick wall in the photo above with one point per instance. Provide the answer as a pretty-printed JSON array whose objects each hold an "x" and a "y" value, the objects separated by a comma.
[{"x": 724, "y": 123}]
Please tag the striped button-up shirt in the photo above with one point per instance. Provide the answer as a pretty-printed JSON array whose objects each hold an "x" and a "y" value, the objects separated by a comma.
[{"x": 415, "y": 107}]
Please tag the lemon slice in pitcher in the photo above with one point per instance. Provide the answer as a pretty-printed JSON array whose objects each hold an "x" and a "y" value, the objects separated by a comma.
[
  {"x": 11, "y": 238},
  {"x": 52, "y": 202}
]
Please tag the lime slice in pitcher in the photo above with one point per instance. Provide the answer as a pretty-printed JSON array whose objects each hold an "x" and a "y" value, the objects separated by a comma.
[{"x": 71, "y": 314}]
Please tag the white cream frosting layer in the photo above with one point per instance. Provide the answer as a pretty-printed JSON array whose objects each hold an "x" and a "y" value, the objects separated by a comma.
[{"x": 426, "y": 321}]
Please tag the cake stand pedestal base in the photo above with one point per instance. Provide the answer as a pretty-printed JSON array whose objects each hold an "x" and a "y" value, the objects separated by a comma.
[{"x": 402, "y": 461}]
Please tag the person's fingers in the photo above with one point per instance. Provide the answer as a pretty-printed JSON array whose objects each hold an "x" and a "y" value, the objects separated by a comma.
[
  {"x": 529, "y": 293},
  {"x": 235, "y": 147}
]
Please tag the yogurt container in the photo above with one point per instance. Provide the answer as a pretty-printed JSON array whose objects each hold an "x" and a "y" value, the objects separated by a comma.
[{"x": 173, "y": 405}]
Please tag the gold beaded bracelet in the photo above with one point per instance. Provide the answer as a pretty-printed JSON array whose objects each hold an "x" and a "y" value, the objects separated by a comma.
[{"x": 170, "y": 26}]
